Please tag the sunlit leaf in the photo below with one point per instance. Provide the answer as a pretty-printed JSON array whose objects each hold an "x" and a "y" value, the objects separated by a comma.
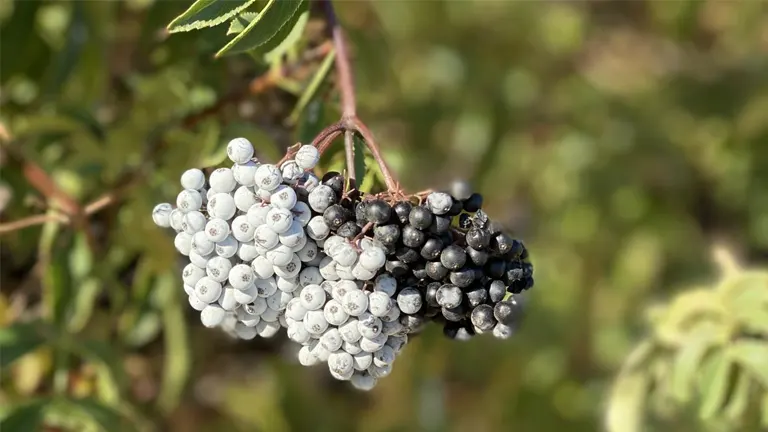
[
  {"x": 240, "y": 22},
  {"x": 288, "y": 36},
  {"x": 81, "y": 308},
  {"x": 739, "y": 400},
  {"x": 686, "y": 365},
  {"x": 275, "y": 15},
  {"x": 310, "y": 92},
  {"x": 714, "y": 384},
  {"x": 207, "y": 13},
  {"x": 753, "y": 356},
  {"x": 626, "y": 402}
]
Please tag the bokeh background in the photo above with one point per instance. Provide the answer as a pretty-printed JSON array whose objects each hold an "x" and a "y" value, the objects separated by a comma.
[{"x": 619, "y": 140}]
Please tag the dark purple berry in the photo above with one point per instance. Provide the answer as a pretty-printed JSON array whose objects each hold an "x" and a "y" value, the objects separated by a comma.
[
  {"x": 431, "y": 312},
  {"x": 464, "y": 334},
  {"x": 335, "y": 216},
  {"x": 482, "y": 317},
  {"x": 477, "y": 296},
  {"x": 387, "y": 234},
  {"x": 402, "y": 210},
  {"x": 478, "y": 238},
  {"x": 431, "y": 249},
  {"x": 517, "y": 286},
  {"x": 398, "y": 269},
  {"x": 421, "y": 218},
  {"x": 465, "y": 221},
  {"x": 527, "y": 269},
  {"x": 501, "y": 243},
  {"x": 329, "y": 175},
  {"x": 440, "y": 224},
  {"x": 449, "y": 296},
  {"x": 412, "y": 323},
  {"x": 419, "y": 271},
  {"x": 407, "y": 255},
  {"x": 454, "y": 314},
  {"x": 473, "y": 203},
  {"x": 435, "y": 270},
  {"x": 349, "y": 230},
  {"x": 455, "y": 209},
  {"x": 431, "y": 294},
  {"x": 335, "y": 182},
  {"x": 463, "y": 278},
  {"x": 507, "y": 312},
  {"x": 477, "y": 257},
  {"x": 453, "y": 257},
  {"x": 412, "y": 237},
  {"x": 494, "y": 227},
  {"x": 513, "y": 272},
  {"x": 378, "y": 212},
  {"x": 496, "y": 291},
  {"x": 450, "y": 329},
  {"x": 495, "y": 268},
  {"x": 360, "y": 216}
]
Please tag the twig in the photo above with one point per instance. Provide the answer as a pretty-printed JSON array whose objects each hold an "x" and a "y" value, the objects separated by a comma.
[
  {"x": 349, "y": 151},
  {"x": 31, "y": 221}
]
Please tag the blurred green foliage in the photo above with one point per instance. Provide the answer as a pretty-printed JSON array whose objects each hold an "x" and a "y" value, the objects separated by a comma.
[{"x": 620, "y": 140}]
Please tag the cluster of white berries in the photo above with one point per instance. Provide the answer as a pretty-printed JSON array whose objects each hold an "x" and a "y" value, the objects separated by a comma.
[{"x": 260, "y": 258}]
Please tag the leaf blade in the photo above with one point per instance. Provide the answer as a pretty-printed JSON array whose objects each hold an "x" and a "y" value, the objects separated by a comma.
[
  {"x": 753, "y": 356},
  {"x": 28, "y": 417},
  {"x": 313, "y": 87},
  {"x": 18, "y": 340},
  {"x": 207, "y": 13},
  {"x": 275, "y": 15}
]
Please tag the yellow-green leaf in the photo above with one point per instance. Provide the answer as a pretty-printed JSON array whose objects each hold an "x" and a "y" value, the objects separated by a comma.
[
  {"x": 240, "y": 22},
  {"x": 752, "y": 356},
  {"x": 685, "y": 367},
  {"x": 739, "y": 400},
  {"x": 310, "y": 92},
  {"x": 714, "y": 385},
  {"x": 18, "y": 340},
  {"x": 626, "y": 403},
  {"x": 288, "y": 36},
  {"x": 207, "y": 13}
]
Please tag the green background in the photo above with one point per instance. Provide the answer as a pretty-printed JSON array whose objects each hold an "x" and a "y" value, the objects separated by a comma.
[{"x": 619, "y": 140}]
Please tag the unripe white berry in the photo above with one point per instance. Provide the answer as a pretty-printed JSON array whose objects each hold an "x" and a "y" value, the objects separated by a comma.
[
  {"x": 218, "y": 268},
  {"x": 222, "y": 180},
  {"x": 212, "y": 315},
  {"x": 290, "y": 270},
  {"x": 306, "y": 358},
  {"x": 334, "y": 313},
  {"x": 374, "y": 344},
  {"x": 394, "y": 313},
  {"x": 257, "y": 214},
  {"x": 312, "y": 297},
  {"x": 244, "y": 173},
  {"x": 262, "y": 268},
  {"x": 315, "y": 322},
  {"x": 193, "y": 222},
  {"x": 344, "y": 254},
  {"x": 283, "y": 197},
  {"x": 369, "y": 325},
  {"x": 361, "y": 273},
  {"x": 302, "y": 213},
  {"x": 341, "y": 289},
  {"x": 244, "y": 332},
  {"x": 244, "y": 199},
  {"x": 279, "y": 219},
  {"x": 268, "y": 177},
  {"x": 191, "y": 274},
  {"x": 265, "y": 237},
  {"x": 207, "y": 290},
  {"x": 291, "y": 172},
  {"x": 175, "y": 218},
  {"x": 307, "y": 157},
  {"x": 217, "y": 230},
  {"x": 242, "y": 230},
  {"x": 363, "y": 381},
  {"x": 293, "y": 236},
  {"x": 247, "y": 251},
  {"x": 201, "y": 244},
  {"x": 196, "y": 303},
  {"x": 222, "y": 206},
  {"x": 383, "y": 357},
  {"x": 269, "y": 315},
  {"x": 183, "y": 243},
  {"x": 289, "y": 285},
  {"x": 386, "y": 284},
  {"x": 317, "y": 229},
  {"x": 239, "y": 150},
  {"x": 189, "y": 289},
  {"x": 349, "y": 331},
  {"x": 161, "y": 215},
  {"x": 340, "y": 365},
  {"x": 331, "y": 339},
  {"x": 199, "y": 260},
  {"x": 295, "y": 310},
  {"x": 310, "y": 276},
  {"x": 189, "y": 200},
  {"x": 345, "y": 273},
  {"x": 327, "y": 269},
  {"x": 241, "y": 276},
  {"x": 309, "y": 181},
  {"x": 297, "y": 333},
  {"x": 227, "y": 248},
  {"x": 409, "y": 301},
  {"x": 362, "y": 360},
  {"x": 247, "y": 296},
  {"x": 227, "y": 299},
  {"x": 380, "y": 371},
  {"x": 308, "y": 252},
  {"x": 280, "y": 255},
  {"x": 265, "y": 287},
  {"x": 267, "y": 329},
  {"x": 192, "y": 179},
  {"x": 372, "y": 259},
  {"x": 379, "y": 303},
  {"x": 352, "y": 348}
]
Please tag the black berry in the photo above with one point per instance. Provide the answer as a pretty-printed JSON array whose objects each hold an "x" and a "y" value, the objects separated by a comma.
[
  {"x": 402, "y": 210},
  {"x": 435, "y": 270},
  {"x": 398, "y": 269},
  {"x": 453, "y": 257},
  {"x": 387, "y": 234},
  {"x": 431, "y": 249},
  {"x": 506, "y": 312},
  {"x": 407, "y": 255},
  {"x": 412, "y": 237},
  {"x": 421, "y": 218},
  {"x": 482, "y": 317},
  {"x": 463, "y": 278},
  {"x": 449, "y": 296},
  {"x": 477, "y": 257},
  {"x": 477, "y": 296},
  {"x": 378, "y": 212},
  {"x": 473, "y": 203},
  {"x": 335, "y": 216},
  {"x": 440, "y": 224},
  {"x": 349, "y": 230},
  {"x": 496, "y": 291},
  {"x": 431, "y": 294}
]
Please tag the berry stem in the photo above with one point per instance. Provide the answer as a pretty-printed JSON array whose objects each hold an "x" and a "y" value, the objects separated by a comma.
[{"x": 349, "y": 151}]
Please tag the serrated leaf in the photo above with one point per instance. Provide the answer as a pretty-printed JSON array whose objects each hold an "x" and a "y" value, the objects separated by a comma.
[
  {"x": 288, "y": 36},
  {"x": 686, "y": 366},
  {"x": 207, "y": 13},
  {"x": 714, "y": 385},
  {"x": 626, "y": 403},
  {"x": 739, "y": 399},
  {"x": 752, "y": 356},
  {"x": 310, "y": 92},
  {"x": 240, "y": 22},
  {"x": 275, "y": 15},
  {"x": 17, "y": 340},
  {"x": 27, "y": 417}
]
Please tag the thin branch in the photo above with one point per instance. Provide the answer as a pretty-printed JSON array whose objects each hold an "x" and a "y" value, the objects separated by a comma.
[
  {"x": 31, "y": 221},
  {"x": 345, "y": 80},
  {"x": 349, "y": 151}
]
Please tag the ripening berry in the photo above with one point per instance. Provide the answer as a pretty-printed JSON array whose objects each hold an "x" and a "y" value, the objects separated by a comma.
[
  {"x": 239, "y": 150},
  {"x": 454, "y": 314},
  {"x": 244, "y": 173},
  {"x": 506, "y": 312},
  {"x": 379, "y": 303},
  {"x": 227, "y": 248},
  {"x": 265, "y": 287},
  {"x": 307, "y": 157},
  {"x": 281, "y": 255},
  {"x": 334, "y": 313},
  {"x": 314, "y": 322},
  {"x": 161, "y": 215},
  {"x": 449, "y": 296},
  {"x": 439, "y": 202},
  {"x": 321, "y": 198},
  {"x": 196, "y": 303},
  {"x": 212, "y": 315},
  {"x": 222, "y": 180},
  {"x": 369, "y": 325},
  {"x": 461, "y": 190},
  {"x": 397, "y": 343},
  {"x": 355, "y": 302},
  {"x": 207, "y": 289},
  {"x": 268, "y": 177},
  {"x": 363, "y": 381},
  {"x": 409, "y": 300},
  {"x": 183, "y": 243},
  {"x": 413, "y": 323},
  {"x": 317, "y": 229},
  {"x": 312, "y": 297},
  {"x": 189, "y": 200}
]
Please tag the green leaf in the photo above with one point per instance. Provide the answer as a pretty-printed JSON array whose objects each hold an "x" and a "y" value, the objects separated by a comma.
[
  {"x": 240, "y": 22},
  {"x": 107, "y": 418},
  {"x": 80, "y": 258},
  {"x": 739, "y": 400},
  {"x": 685, "y": 367},
  {"x": 207, "y": 13},
  {"x": 275, "y": 15},
  {"x": 176, "y": 365},
  {"x": 310, "y": 93},
  {"x": 17, "y": 340},
  {"x": 626, "y": 403},
  {"x": 27, "y": 417},
  {"x": 359, "y": 147},
  {"x": 752, "y": 356},
  {"x": 288, "y": 36},
  {"x": 81, "y": 309},
  {"x": 714, "y": 384},
  {"x": 764, "y": 410}
]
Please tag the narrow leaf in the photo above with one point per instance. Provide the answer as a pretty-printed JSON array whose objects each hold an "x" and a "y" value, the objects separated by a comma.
[
  {"x": 28, "y": 417},
  {"x": 275, "y": 15},
  {"x": 177, "y": 359},
  {"x": 753, "y": 356},
  {"x": 714, "y": 385},
  {"x": 310, "y": 93},
  {"x": 359, "y": 147},
  {"x": 17, "y": 340},
  {"x": 626, "y": 403},
  {"x": 288, "y": 36},
  {"x": 86, "y": 294},
  {"x": 739, "y": 400},
  {"x": 240, "y": 22},
  {"x": 685, "y": 367},
  {"x": 207, "y": 13}
]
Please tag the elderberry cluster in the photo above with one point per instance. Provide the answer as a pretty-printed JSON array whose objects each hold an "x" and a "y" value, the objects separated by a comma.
[{"x": 348, "y": 276}]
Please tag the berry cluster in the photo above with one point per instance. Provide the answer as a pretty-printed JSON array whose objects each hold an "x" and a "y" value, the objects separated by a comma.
[{"x": 349, "y": 277}]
